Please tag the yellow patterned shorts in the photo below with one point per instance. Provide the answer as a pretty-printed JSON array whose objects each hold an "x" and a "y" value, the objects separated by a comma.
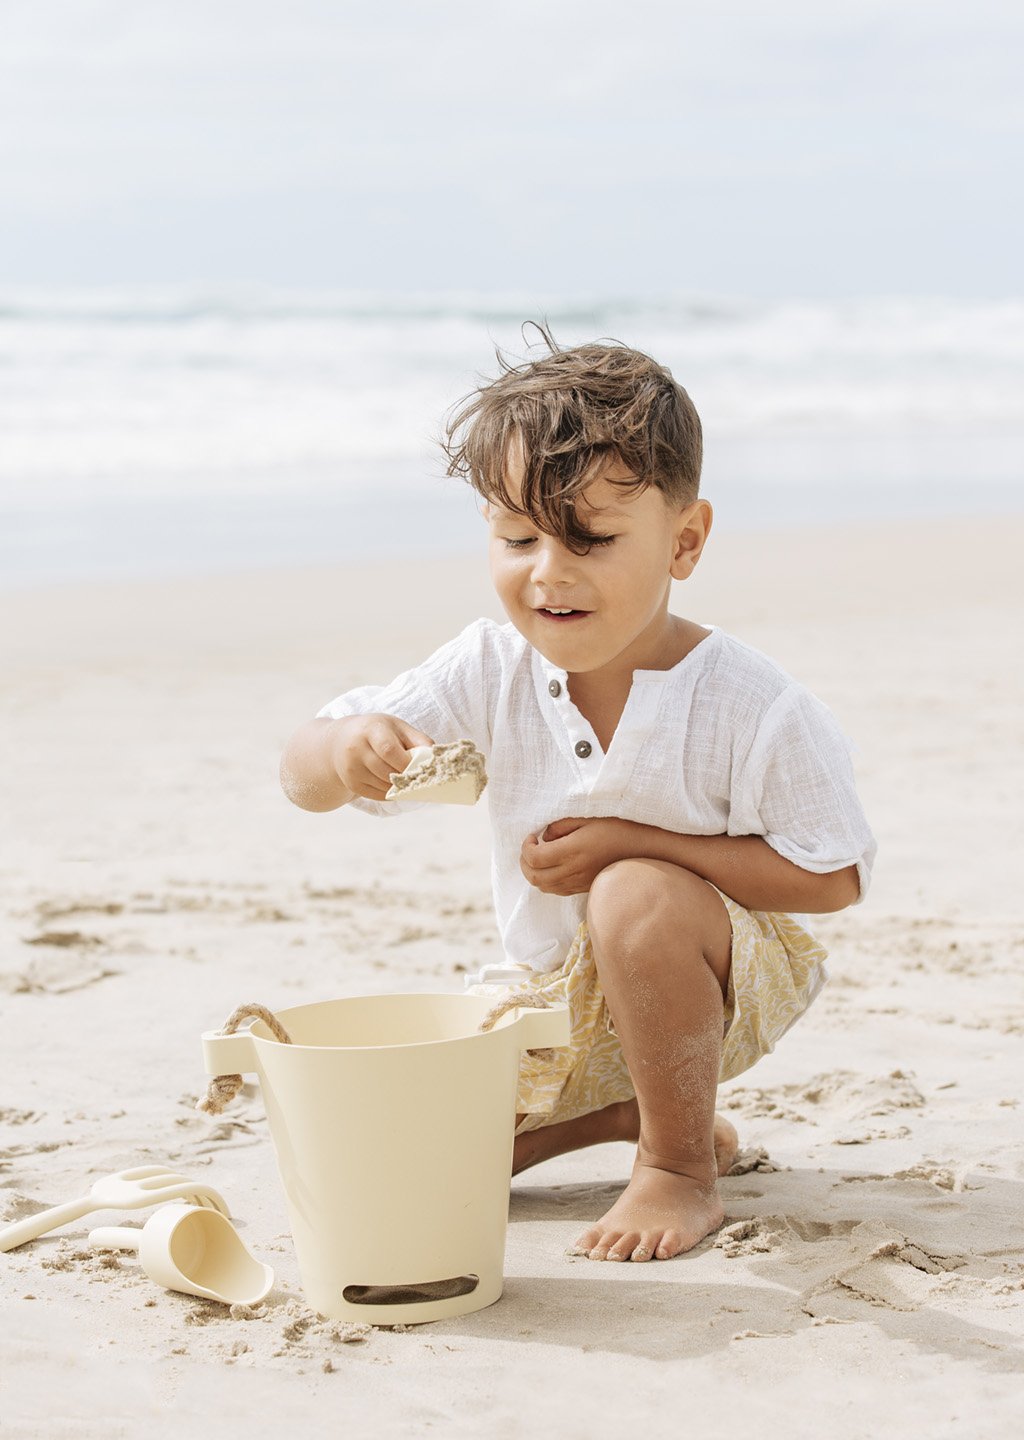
[{"x": 777, "y": 969}]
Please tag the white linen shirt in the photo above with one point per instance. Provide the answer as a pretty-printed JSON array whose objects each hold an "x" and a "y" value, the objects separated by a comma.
[{"x": 724, "y": 742}]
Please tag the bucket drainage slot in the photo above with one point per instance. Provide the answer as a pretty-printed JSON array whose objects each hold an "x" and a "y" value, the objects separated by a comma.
[{"x": 411, "y": 1294}]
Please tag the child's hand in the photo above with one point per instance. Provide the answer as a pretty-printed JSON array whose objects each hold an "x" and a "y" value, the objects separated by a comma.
[
  {"x": 367, "y": 750},
  {"x": 566, "y": 857}
]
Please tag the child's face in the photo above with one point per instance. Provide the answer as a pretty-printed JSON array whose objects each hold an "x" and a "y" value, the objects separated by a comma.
[{"x": 617, "y": 594}]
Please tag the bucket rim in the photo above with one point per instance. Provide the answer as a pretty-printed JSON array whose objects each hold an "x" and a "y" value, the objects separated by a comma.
[{"x": 504, "y": 1022}]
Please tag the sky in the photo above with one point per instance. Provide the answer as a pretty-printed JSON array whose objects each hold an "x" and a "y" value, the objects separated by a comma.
[{"x": 796, "y": 149}]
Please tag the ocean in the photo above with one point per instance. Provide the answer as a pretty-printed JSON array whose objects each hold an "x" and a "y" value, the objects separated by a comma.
[{"x": 159, "y": 431}]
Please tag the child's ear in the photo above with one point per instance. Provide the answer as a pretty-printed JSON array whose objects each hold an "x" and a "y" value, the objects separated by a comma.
[{"x": 691, "y": 532}]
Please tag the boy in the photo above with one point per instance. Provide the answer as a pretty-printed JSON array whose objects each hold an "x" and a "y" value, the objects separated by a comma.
[{"x": 665, "y": 801}]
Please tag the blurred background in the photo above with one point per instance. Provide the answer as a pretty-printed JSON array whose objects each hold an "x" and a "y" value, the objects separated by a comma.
[{"x": 251, "y": 252}]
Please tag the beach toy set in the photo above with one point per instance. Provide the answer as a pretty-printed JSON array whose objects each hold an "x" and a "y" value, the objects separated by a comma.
[
  {"x": 192, "y": 1247},
  {"x": 393, "y": 1120}
]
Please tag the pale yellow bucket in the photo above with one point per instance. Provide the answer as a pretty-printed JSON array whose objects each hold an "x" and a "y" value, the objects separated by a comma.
[{"x": 393, "y": 1118}]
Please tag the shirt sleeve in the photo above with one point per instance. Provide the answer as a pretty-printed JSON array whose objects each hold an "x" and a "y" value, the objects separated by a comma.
[
  {"x": 446, "y": 697},
  {"x": 799, "y": 784}
]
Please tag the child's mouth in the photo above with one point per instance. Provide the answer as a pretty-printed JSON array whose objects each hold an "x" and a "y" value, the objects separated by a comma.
[{"x": 563, "y": 616}]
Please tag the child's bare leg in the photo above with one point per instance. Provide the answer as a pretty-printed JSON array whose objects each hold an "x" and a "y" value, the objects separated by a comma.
[
  {"x": 620, "y": 1121},
  {"x": 662, "y": 942}
]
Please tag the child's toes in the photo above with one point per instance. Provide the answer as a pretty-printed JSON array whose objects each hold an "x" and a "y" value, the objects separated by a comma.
[
  {"x": 585, "y": 1243},
  {"x": 605, "y": 1243},
  {"x": 624, "y": 1248},
  {"x": 670, "y": 1244}
]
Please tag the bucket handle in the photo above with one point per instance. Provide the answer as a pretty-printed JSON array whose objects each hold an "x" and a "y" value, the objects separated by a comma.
[
  {"x": 229, "y": 1054},
  {"x": 542, "y": 1029}
]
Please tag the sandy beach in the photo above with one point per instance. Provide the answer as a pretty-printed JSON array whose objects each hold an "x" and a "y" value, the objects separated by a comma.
[{"x": 869, "y": 1280}]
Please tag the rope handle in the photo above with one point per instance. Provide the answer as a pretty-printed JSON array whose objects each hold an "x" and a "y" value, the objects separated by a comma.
[{"x": 222, "y": 1089}]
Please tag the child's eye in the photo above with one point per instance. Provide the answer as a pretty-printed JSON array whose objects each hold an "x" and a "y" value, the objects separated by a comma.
[{"x": 521, "y": 544}]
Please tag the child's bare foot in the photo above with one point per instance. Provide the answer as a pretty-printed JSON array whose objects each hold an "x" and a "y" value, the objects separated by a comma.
[{"x": 658, "y": 1215}]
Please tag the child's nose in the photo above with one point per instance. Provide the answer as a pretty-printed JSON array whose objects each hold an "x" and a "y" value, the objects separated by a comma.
[{"x": 552, "y": 563}]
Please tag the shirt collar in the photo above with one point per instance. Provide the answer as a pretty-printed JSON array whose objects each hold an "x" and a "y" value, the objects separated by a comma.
[{"x": 551, "y": 672}]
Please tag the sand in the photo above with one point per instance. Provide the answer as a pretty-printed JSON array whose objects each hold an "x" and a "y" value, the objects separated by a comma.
[{"x": 869, "y": 1279}]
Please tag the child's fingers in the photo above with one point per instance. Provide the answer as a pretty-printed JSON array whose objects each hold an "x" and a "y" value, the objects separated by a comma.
[
  {"x": 391, "y": 741},
  {"x": 548, "y": 867},
  {"x": 556, "y": 883},
  {"x": 410, "y": 736},
  {"x": 385, "y": 755},
  {"x": 373, "y": 775},
  {"x": 558, "y": 829},
  {"x": 553, "y": 850},
  {"x": 372, "y": 749},
  {"x": 378, "y": 770},
  {"x": 526, "y": 858},
  {"x": 553, "y": 878},
  {"x": 535, "y": 854}
]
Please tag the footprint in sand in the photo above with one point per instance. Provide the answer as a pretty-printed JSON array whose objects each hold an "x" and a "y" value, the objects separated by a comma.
[
  {"x": 762, "y": 1233},
  {"x": 836, "y": 1095},
  {"x": 69, "y": 969},
  {"x": 895, "y": 1272}
]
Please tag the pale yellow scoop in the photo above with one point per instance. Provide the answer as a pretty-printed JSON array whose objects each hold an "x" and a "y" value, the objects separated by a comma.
[
  {"x": 196, "y": 1251},
  {"x": 453, "y": 774}
]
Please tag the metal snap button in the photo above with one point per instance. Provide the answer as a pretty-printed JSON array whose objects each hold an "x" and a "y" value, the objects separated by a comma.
[
  {"x": 554, "y": 689},
  {"x": 583, "y": 748}
]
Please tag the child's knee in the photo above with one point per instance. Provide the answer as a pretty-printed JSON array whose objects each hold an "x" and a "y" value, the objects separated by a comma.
[
  {"x": 645, "y": 893},
  {"x": 653, "y": 909}
]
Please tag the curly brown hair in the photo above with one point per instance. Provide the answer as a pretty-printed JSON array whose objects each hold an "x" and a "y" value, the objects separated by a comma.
[{"x": 567, "y": 415}]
